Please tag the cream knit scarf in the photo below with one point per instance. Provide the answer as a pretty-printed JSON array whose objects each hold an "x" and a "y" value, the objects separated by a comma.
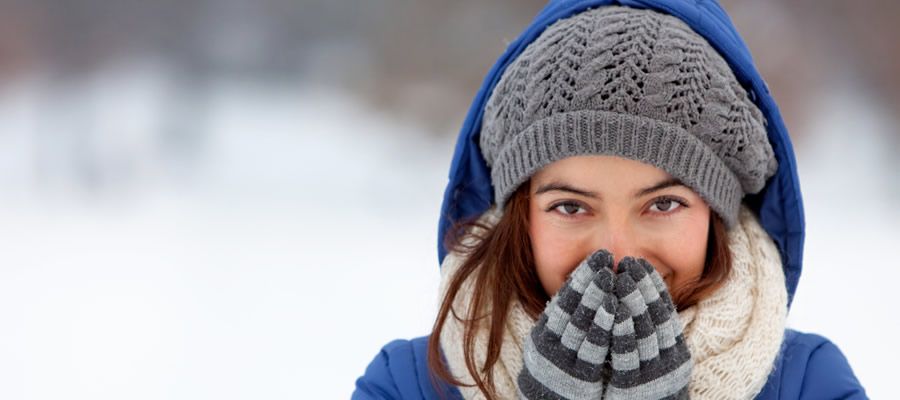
[{"x": 734, "y": 335}]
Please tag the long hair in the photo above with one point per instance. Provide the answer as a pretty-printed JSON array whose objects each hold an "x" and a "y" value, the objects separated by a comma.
[{"x": 500, "y": 256}]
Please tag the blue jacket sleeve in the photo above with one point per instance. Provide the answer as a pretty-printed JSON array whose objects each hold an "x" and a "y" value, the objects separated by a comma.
[
  {"x": 378, "y": 383},
  {"x": 811, "y": 367},
  {"x": 400, "y": 371},
  {"x": 829, "y": 376}
]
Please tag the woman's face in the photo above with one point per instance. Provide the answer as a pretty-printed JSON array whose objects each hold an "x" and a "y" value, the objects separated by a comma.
[{"x": 582, "y": 204}]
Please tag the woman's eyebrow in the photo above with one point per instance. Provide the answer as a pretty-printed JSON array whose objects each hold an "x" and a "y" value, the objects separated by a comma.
[
  {"x": 659, "y": 186},
  {"x": 564, "y": 187}
]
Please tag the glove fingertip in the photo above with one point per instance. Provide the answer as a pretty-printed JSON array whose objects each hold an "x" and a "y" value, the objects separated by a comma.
[
  {"x": 646, "y": 266},
  {"x": 605, "y": 280},
  {"x": 625, "y": 285},
  {"x": 657, "y": 279},
  {"x": 625, "y": 264},
  {"x": 600, "y": 260},
  {"x": 580, "y": 277},
  {"x": 637, "y": 270}
]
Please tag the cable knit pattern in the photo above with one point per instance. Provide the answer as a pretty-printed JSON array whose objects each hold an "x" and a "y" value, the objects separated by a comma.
[
  {"x": 632, "y": 83},
  {"x": 733, "y": 336}
]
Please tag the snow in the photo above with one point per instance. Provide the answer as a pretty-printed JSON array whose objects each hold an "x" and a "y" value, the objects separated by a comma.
[
  {"x": 280, "y": 257},
  {"x": 848, "y": 171}
]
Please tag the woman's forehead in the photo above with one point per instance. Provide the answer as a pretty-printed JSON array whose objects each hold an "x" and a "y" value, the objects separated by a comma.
[{"x": 598, "y": 171}]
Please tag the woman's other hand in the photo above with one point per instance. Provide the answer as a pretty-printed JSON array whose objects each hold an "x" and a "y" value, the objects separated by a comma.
[
  {"x": 650, "y": 359},
  {"x": 565, "y": 352}
]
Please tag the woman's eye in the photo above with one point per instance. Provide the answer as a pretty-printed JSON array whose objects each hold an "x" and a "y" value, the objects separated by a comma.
[
  {"x": 569, "y": 209},
  {"x": 665, "y": 205}
]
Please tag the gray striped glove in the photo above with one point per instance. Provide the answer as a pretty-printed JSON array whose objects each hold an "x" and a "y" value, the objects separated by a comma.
[
  {"x": 649, "y": 357},
  {"x": 565, "y": 352}
]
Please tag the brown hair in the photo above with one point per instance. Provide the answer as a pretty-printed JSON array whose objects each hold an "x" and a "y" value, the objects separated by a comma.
[{"x": 501, "y": 259}]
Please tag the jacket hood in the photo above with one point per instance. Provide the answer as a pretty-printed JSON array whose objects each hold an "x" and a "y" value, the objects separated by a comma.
[{"x": 779, "y": 206}]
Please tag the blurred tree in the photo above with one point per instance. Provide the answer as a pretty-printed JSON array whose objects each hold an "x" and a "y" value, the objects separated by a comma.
[
  {"x": 423, "y": 59},
  {"x": 17, "y": 39},
  {"x": 431, "y": 57},
  {"x": 804, "y": 47}
]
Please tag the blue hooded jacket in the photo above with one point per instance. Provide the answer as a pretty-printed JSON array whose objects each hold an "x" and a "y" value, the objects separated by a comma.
[{"x": 808, "y": 367}]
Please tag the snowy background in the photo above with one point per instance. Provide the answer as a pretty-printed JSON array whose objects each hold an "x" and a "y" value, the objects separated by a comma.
[{"x": 235, "y": 234}]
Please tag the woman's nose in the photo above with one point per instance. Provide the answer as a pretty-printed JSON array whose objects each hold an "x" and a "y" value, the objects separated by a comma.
[{"x": 619, "y": 240}]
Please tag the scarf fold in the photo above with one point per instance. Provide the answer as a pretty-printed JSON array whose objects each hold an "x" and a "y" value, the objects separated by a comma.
[{"x": 734, "y": 335}]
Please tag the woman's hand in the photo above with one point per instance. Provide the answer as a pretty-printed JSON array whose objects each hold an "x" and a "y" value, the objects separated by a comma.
[
  {"x": 649, "y": 357},
  {"x": 607, "y": 335},
  {"x": 565, "y": 353}
]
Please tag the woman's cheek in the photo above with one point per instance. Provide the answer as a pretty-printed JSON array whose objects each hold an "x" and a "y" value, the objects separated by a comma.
[
  {"x": 684, "y": 254},
  {"x": 556, "y": 257}
]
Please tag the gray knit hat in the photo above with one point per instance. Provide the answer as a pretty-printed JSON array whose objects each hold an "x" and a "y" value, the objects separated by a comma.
[{"x": 630, "y": 83}]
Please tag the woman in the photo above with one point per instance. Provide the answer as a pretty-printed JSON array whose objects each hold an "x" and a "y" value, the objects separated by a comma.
[{"x": 623, "y": 220}]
